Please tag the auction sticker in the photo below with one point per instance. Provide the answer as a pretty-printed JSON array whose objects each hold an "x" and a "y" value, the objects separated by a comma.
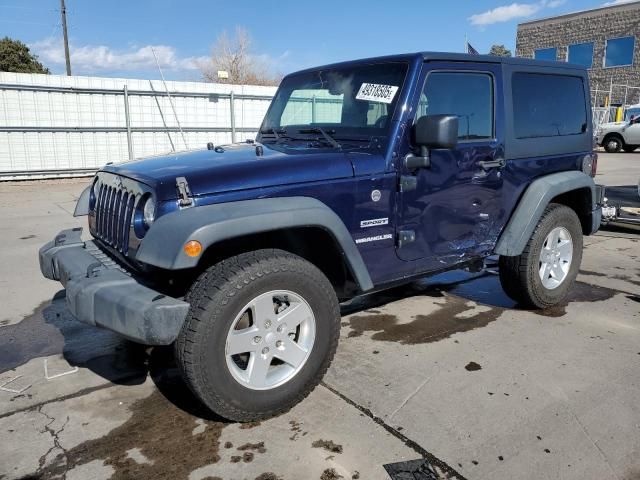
[{"x": 374, "y": 92}]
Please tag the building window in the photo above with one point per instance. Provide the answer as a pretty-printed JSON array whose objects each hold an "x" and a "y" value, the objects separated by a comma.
[
  {"x": 546, "y": 54},
  {"x": 619, "y": 52},
  {"x": 581, "y": 54}
]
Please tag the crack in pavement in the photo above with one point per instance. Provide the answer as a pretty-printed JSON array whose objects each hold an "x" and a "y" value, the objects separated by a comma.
[
  {"x": 449, "y": 471},
  {"x": 411, "y": 395},
  {"x": 55, "y": 434}
]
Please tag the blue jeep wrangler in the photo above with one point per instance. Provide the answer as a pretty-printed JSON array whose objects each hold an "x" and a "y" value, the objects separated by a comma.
[{"x": 364, "y": 175}]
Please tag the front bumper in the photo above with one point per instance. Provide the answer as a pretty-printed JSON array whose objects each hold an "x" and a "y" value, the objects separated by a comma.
[{"x": 101, "y": 293}]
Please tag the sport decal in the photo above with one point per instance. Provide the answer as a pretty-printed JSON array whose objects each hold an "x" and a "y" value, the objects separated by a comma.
[
  {"x": 374, "y": 222},
  {"x": 374, "y": 92}
]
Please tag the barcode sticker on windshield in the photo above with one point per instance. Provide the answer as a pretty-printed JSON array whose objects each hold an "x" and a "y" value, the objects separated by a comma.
[{"x": 377, "y": 93}]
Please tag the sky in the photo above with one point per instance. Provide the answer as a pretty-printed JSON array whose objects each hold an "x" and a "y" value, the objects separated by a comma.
[{"x": 117, "y": 38}]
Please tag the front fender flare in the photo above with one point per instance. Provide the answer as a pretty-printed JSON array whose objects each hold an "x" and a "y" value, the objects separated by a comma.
[
  {"x": 82, "y": 205},
  {"x": 163, "y": 244},
  {"x": 538, "y": 195}
]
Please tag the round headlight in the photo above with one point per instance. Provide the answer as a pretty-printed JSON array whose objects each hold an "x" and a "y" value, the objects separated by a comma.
[{"x": 149, "y": 211}]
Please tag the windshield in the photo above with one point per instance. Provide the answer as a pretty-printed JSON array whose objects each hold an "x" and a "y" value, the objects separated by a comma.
[
  {"x": 356, "y": 101},
  {"x": 631, "y": 112}
]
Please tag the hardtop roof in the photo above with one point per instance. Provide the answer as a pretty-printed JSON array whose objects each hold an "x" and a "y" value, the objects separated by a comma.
[{"x": 447, "y": 57}]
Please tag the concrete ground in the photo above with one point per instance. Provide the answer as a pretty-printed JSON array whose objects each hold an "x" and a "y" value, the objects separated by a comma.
[{"x": 448, "y": 370}]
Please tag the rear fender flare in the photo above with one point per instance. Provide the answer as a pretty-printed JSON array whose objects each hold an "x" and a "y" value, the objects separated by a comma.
[{"x": 538, "y": 195}]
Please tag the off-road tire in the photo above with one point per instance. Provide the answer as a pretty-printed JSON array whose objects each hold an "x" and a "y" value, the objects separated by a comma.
[
  {"x": 613, "y": 144},
  {"x": 217, "y": 296},
  {"x": 519, "y": 275}
]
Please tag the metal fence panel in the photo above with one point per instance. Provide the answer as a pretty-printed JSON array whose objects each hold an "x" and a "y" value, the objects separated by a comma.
[{"x": 54, "y": 125}]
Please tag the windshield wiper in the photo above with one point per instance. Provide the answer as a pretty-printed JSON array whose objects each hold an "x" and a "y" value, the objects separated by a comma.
[
  {"x": 276, "y": 133},
  {"x": 330, "y": 140}
]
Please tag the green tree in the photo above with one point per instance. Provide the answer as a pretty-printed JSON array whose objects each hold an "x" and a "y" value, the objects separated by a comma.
[
  {"x": 499, "y": 51},
  {"x": 16, "y": 57}
]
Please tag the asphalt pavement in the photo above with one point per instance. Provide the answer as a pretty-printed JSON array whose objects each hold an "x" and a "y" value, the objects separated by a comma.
[{"x": 446, "y": 376}]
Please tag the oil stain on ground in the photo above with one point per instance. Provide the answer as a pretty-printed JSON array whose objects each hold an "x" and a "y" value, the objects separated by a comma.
[
  {"x": 580, "y": 292},
  {"x": 472, "y": 367},
  {"x": 330, "y": 474},
  {"x": 328, "y": 445},
  {"x": 424, "y": 328},
  {"x": 162, "y": 432},
  {"x": 456, "y": 314}
]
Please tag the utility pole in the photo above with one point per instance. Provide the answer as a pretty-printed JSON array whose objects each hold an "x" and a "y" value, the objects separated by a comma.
[{"x": 63, "y": 12}]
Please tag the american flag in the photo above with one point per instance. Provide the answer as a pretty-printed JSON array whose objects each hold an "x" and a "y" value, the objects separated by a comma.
[{"x": 471, "y": 50}]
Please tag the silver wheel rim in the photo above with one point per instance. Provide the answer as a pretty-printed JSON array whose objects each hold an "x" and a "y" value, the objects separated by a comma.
[
  {"x": 270, "y": 340},
  {"x": 613, "y": 145},
  {"x": 555, "y": 257}
]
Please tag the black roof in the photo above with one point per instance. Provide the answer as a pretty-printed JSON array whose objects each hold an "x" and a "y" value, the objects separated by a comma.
[{"x": 451, "y": 57}]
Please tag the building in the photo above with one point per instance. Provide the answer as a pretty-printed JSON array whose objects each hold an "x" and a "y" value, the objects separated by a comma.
[{"x": 605, "y": 40}]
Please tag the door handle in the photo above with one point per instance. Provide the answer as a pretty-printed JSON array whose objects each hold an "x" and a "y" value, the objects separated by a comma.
[{"x": 489, "y": 164}]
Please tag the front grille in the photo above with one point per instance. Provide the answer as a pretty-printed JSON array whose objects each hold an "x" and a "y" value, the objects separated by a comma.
[{"x": 114, "y": 209}]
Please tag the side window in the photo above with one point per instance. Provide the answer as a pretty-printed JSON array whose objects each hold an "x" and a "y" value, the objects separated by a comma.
[
  {"x": 465, "y": 94},
  {"x": 548, "y": 105}
]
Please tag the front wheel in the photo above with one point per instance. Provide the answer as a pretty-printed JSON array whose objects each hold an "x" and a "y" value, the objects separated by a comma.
[
  {"x": 260, "y": 334},
  {"x": 543, "y": 273},
  {"x": 612, "y": 144}
]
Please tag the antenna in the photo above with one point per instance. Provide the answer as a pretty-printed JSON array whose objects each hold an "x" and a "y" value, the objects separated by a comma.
[{"x": 170, "y": 99}]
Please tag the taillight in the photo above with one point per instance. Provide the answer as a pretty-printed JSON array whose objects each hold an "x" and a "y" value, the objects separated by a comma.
[{"x": 590, "y": 164}]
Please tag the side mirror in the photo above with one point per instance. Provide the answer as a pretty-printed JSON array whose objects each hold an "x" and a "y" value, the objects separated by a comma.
[
  {"x": 436, "y": 131},
  {"x": 432, "y": 131}
]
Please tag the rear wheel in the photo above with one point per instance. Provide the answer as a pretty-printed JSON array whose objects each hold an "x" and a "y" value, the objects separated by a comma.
[
  {"x": 613, "y": 144},
  {"x": 545, "y": 271},
  {"x": 261, "y": 332}
]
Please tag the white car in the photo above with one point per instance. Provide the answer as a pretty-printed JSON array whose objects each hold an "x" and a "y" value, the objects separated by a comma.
[{"x": 617, "y": 136}]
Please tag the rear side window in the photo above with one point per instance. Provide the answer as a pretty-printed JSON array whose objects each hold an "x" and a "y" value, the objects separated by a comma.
[
  {"x": 548, "y": 105},
  {"x": 467, "y": 95}
]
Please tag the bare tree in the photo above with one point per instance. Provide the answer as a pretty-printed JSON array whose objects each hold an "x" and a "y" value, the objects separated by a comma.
[{"x": 234, "y": 56}]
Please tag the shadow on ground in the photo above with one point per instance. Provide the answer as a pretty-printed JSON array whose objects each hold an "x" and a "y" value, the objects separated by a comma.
[{"x": 51, "y": 330}]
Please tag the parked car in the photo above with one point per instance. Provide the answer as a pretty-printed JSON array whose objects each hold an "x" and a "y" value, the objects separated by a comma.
[
  {"x": 619, "y": 136},
  {"x": 364, "y": 175}
]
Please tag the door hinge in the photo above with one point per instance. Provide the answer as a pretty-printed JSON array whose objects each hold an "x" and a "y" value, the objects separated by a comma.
[
  {"x": 405, "y": 237},
  {"x": 407, "y": 183},
  {"x": 184, "y": 192}
]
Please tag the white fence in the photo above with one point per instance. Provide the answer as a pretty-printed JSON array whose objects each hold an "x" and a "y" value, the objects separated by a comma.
[{"x": 53, "y": 125}]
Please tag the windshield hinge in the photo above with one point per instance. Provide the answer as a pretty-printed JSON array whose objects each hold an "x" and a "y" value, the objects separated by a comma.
[
  {"x": 407, "y": 183},
  {"x": 184, "y": 192}
]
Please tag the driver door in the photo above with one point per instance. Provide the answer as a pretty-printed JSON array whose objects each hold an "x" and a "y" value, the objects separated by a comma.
[{"x": 453, "y": 208}]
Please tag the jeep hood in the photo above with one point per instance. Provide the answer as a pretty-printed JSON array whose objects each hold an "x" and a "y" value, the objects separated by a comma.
[{"x": 236, "y": 167}]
